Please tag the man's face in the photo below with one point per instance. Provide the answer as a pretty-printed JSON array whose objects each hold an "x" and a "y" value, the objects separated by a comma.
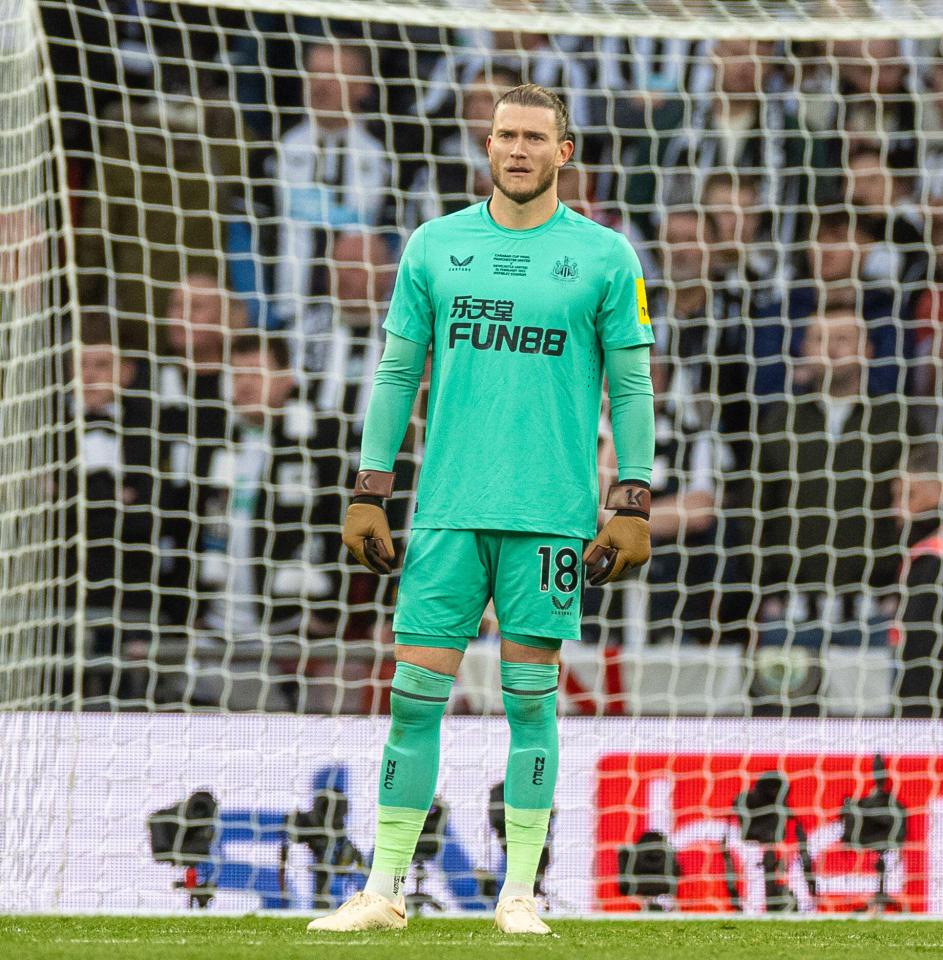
[
  {"x": 916, "y": 497},
  {"x": 477, "y": 107},
  {"x": 685, "y": 256},
  {"x": 870, "y": 66},
  {"x": 258, "y": 386},
  {"x": 575, "y": 189},
  {"x": 21, "y": 253},
  {"x": 195, "y": 321},
  {"x": 360, "y": 272},
  {"x": 102, "y": 373},
  {"x": 836, "y": 343},
  {"x": 742, "y": 65},
  {"x": 335, "y": 81},
  {"x": 733, "y": 223},
  {"x": 525, "y": 152},
  {"x": 733, "y": 214},
  {"x": 832, "y": 255},
  {"x": 870, "y": 183}
]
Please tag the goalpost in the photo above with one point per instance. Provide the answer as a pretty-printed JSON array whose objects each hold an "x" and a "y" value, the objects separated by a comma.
[{"x": 176, "y": 620}]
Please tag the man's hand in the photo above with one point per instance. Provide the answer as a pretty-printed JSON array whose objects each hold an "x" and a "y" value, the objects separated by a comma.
[
  {"x": 366, "y": 531},
  {"x": 624, "y": 542}
]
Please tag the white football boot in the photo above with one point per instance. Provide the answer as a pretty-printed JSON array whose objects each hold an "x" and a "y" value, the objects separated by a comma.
[
  {"x": 519, "y": 915},
  {"x": 364, "y": 911}
]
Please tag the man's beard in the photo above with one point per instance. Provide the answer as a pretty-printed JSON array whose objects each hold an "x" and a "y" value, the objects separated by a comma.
[{"x": 523, "y": 196}]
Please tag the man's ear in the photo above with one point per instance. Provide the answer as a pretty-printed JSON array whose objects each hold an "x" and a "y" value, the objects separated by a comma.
[{"x": 566, "y": 151}]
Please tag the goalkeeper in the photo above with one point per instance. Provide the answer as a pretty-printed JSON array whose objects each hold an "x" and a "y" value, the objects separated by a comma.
[{"x": 525, "y": 305}]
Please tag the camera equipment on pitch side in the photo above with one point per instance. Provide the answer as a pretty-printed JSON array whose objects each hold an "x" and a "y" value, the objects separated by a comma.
[
  {"x": 496, "y": 817},
  {"x": 649, "y": 869},
  {"x": 428, "y": 848},
  {"x": 764, "y": 815},
  {"x": 183, "y": 834},
  {"x": 877, "y": 821},
  {"x": 323, "y": 830}
]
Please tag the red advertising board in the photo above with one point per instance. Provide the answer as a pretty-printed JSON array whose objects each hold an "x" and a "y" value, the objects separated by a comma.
[{"x": 689, "y": 798}]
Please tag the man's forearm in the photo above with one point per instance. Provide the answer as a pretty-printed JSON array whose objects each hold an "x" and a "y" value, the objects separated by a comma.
[
  {"x": 632, "y": 411},
  {"x": 391, "y": 402}
]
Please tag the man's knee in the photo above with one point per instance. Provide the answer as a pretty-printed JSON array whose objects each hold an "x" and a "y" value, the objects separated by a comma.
[
  {"x": 422, "y": 651},
  {"x": 536, "y": 650}
]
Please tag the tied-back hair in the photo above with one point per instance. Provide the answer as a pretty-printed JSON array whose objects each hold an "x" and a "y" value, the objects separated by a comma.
[{"x": 532, "y": 95}]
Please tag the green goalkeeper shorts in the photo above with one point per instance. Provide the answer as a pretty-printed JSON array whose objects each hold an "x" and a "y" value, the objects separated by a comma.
[{"x": 536, "y": 581}]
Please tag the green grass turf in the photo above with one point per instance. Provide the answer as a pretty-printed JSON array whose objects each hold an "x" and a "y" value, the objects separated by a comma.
[{"x": 235, "y": 938}]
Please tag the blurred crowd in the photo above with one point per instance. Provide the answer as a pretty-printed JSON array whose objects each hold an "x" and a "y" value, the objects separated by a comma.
[{"x": 241, "y": 186}]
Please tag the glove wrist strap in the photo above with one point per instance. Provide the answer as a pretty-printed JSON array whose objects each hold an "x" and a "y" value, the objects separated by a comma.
[
  {"x": 373, "y": 501},
  {"x": 632, "y": 498},
  {"x": 374, "y": 484}
]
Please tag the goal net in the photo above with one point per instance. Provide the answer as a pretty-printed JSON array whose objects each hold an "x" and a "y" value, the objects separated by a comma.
[{"x": 201, "y": 212}]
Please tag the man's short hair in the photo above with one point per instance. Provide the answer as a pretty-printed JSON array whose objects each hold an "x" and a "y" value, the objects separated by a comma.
[
  {"x": 532, "y": 95},
  {"x": 272, "y": 345},
  {"x": 95, "y": 329}
]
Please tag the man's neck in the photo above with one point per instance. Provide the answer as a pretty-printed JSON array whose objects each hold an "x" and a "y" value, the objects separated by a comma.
[
  {"x": 523, "y": 216},
  {"x": 330, "y": 122},
  {"x": 845, "y": 391}
]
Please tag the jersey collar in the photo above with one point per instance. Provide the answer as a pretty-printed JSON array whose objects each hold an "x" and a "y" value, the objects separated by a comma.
[{"x": 521, "y": 234}]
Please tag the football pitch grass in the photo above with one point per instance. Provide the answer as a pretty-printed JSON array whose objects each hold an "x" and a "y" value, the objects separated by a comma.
[{"x": 267, "y": 938}]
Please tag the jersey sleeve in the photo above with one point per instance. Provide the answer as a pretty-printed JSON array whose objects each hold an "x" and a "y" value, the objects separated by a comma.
[
  {"x": 622, "y": 319},
  {"x": 411, "y": 313}
]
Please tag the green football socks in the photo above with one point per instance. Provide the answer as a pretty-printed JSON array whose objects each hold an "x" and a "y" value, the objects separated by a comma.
[
  {"x": 530, "y": 700},
  {"x": 408, "y": 772}
]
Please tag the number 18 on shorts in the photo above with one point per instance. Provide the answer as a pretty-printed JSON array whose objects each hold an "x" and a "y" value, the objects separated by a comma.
[{"x": 535, "y": 580}]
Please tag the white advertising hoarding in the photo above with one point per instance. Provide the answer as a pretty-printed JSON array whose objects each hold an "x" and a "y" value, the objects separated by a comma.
[{"x": 76, "y": 791}]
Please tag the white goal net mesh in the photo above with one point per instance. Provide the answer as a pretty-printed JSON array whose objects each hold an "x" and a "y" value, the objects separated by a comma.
[
  {"x": 750, "y": 719},
  {"x": 33, "y": 378}
]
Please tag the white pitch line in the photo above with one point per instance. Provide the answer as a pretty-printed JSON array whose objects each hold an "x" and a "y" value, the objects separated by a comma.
[
  {"x": 417, "y": 943},
  {"x": 310, "y": 942},
  {"x": 148, "y": 940}
]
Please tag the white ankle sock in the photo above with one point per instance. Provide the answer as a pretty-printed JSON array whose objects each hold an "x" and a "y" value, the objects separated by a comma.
[
  {"x": 389, "y": 885},
  {"x": 512, "y": 889}
]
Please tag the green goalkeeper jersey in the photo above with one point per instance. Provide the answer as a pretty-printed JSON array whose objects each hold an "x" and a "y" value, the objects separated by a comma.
[{"x": 518, "y": 321}]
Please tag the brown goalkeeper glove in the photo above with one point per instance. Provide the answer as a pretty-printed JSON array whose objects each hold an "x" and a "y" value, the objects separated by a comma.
[
  {"x": 366, "y": 531},
  {"x": 624, "y": 542}
]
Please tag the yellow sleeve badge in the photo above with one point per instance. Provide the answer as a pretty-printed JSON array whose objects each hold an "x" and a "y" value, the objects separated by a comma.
[{"x": 643, "y": 318}]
